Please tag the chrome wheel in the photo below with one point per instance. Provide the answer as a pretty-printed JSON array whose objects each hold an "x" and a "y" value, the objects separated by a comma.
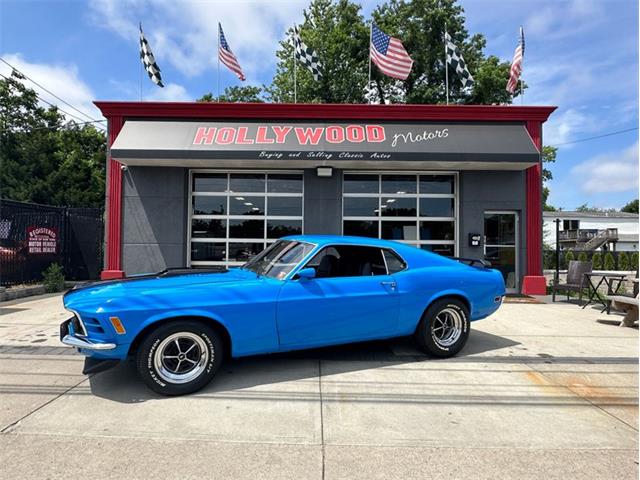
[
  {"x": 447, "y": 327},
  {"x": 181, "y": 357}
]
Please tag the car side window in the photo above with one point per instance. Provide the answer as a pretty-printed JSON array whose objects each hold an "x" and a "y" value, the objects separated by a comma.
[
  {"x": 394, "y": 263},
  {"x": 348, "y": 261}
]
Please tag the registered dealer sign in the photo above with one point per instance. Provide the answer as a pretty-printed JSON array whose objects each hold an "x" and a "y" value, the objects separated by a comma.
[{"x": 42, "y": 240}]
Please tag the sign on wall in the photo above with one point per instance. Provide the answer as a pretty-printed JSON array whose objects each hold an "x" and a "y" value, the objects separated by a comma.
[
  {"x": 382, "y": 141},
  {"x": 42, "y": 240}
]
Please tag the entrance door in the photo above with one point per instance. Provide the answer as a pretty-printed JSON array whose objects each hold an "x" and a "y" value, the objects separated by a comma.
[{"x": 501, "y": 245}]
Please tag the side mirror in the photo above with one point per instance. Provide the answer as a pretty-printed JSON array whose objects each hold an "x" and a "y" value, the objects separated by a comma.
[{"x": 307, "y": 273}]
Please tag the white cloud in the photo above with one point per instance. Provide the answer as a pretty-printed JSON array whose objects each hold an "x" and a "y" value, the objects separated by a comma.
[
  {"x": 61, "y": 79},
  {"x": 610, "y": 172},
  {"x": 562, "y": 127},
  {"x": 172, "y": 92},
  {"x": 185, "y": 33}
]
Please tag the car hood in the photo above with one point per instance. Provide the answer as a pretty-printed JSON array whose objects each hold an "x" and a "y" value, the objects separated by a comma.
[{"x": 88, "y": 294}]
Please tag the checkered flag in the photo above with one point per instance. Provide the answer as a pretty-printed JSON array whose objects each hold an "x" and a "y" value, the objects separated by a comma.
[
  {"x": 148, "y": 60},
  {"x": 306, "y": 55},
  {"x": 454, "y": 58}
]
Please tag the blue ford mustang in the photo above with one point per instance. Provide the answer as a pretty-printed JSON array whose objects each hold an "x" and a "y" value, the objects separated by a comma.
[{"x": 301, "y": 292}]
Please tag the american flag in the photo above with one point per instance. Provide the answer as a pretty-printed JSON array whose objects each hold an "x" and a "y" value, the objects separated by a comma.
[
  {"x": 516, "y": 65},
  {"x": 226, "y": 56},
  {"x": 389, "y": 54}
]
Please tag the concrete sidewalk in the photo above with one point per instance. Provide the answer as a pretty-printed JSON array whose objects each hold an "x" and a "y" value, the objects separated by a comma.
[{"x": 539, "y": 391}]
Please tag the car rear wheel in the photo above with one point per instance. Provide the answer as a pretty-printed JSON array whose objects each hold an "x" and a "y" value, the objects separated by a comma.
[
  {"x": 180, "y": 357},
  {"x": 444, "y": 328}
]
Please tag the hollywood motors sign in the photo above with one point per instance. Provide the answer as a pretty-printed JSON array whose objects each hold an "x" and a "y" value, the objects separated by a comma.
[{"x": 287, "y": 134}]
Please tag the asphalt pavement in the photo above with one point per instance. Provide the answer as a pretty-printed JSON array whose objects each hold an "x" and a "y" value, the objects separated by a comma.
[{"x": 540, "y": 390}]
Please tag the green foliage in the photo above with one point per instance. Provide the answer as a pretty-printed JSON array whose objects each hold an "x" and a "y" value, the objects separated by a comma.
[
  {"x": 623, "y": 261},
  {"x": 631, "y": 207},
  {"x": 597, "y": 260},
  {"x": 236, "y": 94},
  {"x": 337, "y": 31},
  {"x": 609, "y": 261},
  {"x": 569, "y": 256},
  {"x": 634, "y": 260},
  {"x": 585, "y": 208},
  {"x": 43, "y": 158},
  {"x": 53, "y": 278},
  {"x": 583, "y": 257}
]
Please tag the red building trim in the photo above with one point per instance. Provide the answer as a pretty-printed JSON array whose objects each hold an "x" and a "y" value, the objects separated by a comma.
[
  {"x": 113, "y": 253},
  {"x": 534, "y": 282},
  {"x": 533, "y": 117},
  {"x": 491, "y": 113}
]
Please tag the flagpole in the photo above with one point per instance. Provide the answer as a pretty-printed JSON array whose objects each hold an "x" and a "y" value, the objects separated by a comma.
[
  {"x": 295, "y": 69},
  {"x": 369, "y": 94},
  {"x": 521, "y": 67},
  {"x": 218, "y": 99},
  {"x": 446, "y": 65},
  {"x": 141, "y": 65}
]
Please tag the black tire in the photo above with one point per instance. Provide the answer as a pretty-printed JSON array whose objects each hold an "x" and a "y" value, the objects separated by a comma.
[
  {"x": 431, "y": 334},
  {"x": 166, "y": 374}
]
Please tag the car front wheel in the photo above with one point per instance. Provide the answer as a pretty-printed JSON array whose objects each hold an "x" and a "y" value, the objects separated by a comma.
[
  {"x": 444, "y": 328},
  {"x": 179, "y": 357}
]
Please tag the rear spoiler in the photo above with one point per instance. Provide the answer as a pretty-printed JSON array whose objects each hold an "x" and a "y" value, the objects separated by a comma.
[{"x": 473, "y": 262}]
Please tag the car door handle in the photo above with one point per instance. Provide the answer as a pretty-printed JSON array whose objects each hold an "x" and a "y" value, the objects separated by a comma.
[{"x": 391, "y": 284}]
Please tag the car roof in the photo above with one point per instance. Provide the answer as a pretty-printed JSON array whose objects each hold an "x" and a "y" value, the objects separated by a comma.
[
  {"x": 415, "y": 257},
  {"x": 345, "y": 240}
]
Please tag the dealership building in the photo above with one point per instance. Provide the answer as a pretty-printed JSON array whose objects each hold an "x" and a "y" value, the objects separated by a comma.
[{"x": 196, "y": 184}]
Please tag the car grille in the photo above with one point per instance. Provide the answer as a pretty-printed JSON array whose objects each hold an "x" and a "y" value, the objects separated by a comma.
[{"x": 78, "y": 329}]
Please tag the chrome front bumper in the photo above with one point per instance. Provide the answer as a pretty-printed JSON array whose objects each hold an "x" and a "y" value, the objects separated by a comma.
[
  {"x": 87, "y": 345},
  {"x": 68, "y": 338}
]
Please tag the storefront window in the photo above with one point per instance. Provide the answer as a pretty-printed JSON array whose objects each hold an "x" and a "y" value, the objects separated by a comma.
[
  {"x": 417, "y": 209},
  {"x": 236, "y": 215}
]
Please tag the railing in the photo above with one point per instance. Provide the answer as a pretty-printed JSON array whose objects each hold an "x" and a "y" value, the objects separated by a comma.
[{"x": 585, "y": 235}]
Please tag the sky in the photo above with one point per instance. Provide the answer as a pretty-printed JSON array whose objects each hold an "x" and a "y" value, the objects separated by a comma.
[{"x": 581, "y": 56}]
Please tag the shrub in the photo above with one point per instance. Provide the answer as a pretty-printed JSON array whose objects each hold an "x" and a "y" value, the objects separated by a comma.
[
  {"x": 623, "y": 261},
  {"x": 583, "y": 257},
  {"x": 609, "y": 261},
  {"x": 597, "y": 261},
  {"x": 569, "y": 256},
  {"x": 634, "y": 260},
  {"x": 53, "y": 278}
]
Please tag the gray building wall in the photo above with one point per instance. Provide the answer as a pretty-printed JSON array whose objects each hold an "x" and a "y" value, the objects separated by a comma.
[
  {"x": 154, "y": 218},
  {"x": 155, "y": 212},
  {"x": 322, "y": 203},
  {"x": 491, "y": 190}
]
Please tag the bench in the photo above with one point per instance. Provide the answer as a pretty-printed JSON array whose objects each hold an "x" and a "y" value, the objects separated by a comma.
[{"x": 628, "y": 305}]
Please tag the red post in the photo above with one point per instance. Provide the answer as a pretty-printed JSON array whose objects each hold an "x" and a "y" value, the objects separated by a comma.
[
  {"x": 113, "y": 249},
  {"x": 534, "y": 282}
]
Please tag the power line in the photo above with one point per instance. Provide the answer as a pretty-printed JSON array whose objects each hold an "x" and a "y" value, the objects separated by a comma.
[
  {"x": 82, "y": 120},
  {"x": 46, "y": 90},
  {"x": 67, "y": 125},
  {"x": 597, "y": 136}
]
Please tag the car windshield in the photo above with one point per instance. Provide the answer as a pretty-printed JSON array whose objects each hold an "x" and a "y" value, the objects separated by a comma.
[{"x": 279, "y": 259}]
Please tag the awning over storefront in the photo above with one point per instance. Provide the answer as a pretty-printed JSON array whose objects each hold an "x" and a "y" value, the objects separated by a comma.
[{"x": 460, "y": 146}]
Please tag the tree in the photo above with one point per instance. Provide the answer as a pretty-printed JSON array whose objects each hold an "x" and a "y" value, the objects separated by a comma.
[
  {"x": 44, "y": 158},
  {"x": 569, "y": 256},
  {"x": 236, "y": 94},
  {"x": 585, "y": 208},
  {"x": 623, "y": 261},
  {"x": 634, "y": 260},
  {"x": 583, "y": 257},
  {"x": 336, "y": 30},
  {"x": 631, "y": 207},
  {"x": 597, "y": 260},
  {"x": 609, "y": 261},
  {"x": 548, "y": 156}
]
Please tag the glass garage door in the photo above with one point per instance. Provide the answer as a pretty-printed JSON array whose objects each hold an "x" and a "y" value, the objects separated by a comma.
[
  {"x": 235, "y": 215},
  {"x": 418, "y": 209}
]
